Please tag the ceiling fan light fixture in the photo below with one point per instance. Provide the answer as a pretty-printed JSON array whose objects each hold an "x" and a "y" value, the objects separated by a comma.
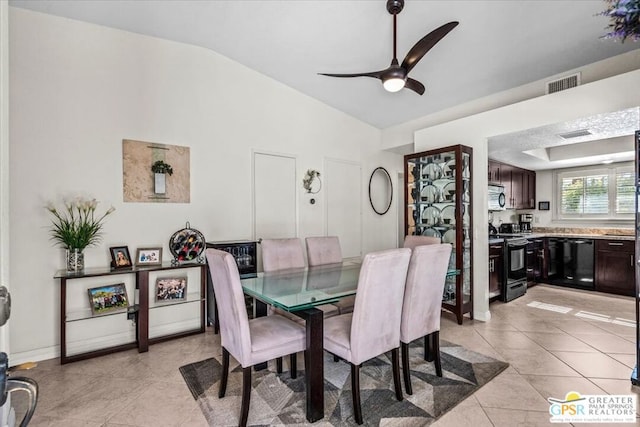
[{"x": 393, "y": 84}]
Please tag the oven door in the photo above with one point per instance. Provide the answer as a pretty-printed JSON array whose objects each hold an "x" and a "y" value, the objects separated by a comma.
[{"x": 516, "y": 260}]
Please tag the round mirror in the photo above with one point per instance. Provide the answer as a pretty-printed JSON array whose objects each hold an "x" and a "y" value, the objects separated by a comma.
[{"x": 380, "y": 190}]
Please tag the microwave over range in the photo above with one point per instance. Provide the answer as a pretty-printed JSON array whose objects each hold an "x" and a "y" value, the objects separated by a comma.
[{"x": 497, "y": 199}]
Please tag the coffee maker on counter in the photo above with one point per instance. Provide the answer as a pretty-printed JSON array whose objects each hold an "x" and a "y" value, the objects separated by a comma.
[{"x": 525, "y": 223}]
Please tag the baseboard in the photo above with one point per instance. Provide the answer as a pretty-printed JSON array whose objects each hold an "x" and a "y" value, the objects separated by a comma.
[
  {"x": 483, "y": 316},
  {"x": 34, "y": 355}
]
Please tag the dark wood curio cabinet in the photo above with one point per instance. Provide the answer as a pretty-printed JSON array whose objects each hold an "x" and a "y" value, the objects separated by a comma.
[{"x": 438, "y": 202}]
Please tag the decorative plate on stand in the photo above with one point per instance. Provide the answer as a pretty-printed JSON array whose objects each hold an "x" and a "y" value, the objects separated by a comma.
[{"x": 187, "y": 245}]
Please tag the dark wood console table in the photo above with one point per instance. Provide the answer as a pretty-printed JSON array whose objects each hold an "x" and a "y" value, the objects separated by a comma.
[{"x": 138, "y": 311}]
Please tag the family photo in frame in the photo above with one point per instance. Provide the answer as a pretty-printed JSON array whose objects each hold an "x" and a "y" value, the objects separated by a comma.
[
  {"x": 171, "y": 289},
  {"x": 108, "y": 299},
  {"x": 149, "y": 256}
]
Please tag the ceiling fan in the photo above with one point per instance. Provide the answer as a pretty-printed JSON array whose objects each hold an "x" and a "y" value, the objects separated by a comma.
[{"x": 395, "y": 77}]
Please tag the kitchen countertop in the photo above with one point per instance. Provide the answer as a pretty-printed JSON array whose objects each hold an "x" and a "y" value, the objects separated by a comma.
[{"x": 493, "y": 240}]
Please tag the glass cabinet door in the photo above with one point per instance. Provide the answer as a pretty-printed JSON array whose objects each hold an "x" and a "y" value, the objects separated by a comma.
[{"x": 438, "y": 204}]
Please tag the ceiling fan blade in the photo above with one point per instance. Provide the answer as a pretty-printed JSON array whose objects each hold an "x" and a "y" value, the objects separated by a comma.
[
  {"x": 425, "y": 44},
  {"x": 374, "y": 74},
  {"x": 415, "y": 86}
]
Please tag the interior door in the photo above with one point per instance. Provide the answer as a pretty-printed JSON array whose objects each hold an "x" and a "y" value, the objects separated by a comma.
[
  {"x": 344, "y": 205},
  {"x": 274, "y": 197}
]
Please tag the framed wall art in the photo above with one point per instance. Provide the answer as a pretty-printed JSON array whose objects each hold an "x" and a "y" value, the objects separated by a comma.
[
  {"x": 155, "y": 173},
  {"x": 120, "y": 257},
  {"x": 149, "y": 256},
  {"x": 544, "y": 206},
  {"x": 108, "y": 299},
  {"x": 171, "y": 289}
]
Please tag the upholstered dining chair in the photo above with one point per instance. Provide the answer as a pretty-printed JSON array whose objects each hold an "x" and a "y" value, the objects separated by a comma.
[
  {"x": 413, "y": 241},
  {"x": 249, "y": 341},
  {"x": 374, "y": 326},
  {"x": 422, "y": 303},
  {"x": 280, "y": 254}
]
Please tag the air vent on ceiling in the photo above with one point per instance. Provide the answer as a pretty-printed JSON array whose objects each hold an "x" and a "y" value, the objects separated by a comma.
[
  {"x": 574, "y": 134},
  {"x": 564, "y": 83}
]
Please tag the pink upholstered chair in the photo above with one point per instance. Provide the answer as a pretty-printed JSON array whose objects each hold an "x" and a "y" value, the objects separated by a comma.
[
  {"x": 323, "y": 250},
  {"x": 374, "y": 326},
  {"x": 326, "y": 250},
  {"x": 280, "y": 254},
  {"x": 423, "y": 302},
  {"x": 413, "y": 241},
  {"x": 249, "y": 341}
]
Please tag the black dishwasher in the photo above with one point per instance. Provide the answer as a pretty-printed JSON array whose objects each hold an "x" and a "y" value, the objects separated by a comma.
[{"x": 572, "y": 264}]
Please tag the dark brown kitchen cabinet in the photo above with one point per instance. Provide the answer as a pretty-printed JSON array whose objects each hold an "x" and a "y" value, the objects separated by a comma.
[
  {"x": 519, "y": 184},
  {"x": 496, "y": 270},
  {"x": 615, "y": 267}
]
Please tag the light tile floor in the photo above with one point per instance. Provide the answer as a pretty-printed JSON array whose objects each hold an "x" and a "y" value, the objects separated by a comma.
[{"x": 550, "y": 353}]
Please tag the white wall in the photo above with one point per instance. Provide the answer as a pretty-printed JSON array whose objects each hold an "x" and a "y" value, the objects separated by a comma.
[
  {"x": 78, "y": 89},
  {"x": 611, "y": 94}
]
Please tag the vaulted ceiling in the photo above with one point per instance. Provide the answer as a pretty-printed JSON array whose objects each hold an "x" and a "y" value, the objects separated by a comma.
[{"x": 498, "y": 45}]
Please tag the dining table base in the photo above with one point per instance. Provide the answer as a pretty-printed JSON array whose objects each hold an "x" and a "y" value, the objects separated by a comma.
[{"x": 313, "y": 358}]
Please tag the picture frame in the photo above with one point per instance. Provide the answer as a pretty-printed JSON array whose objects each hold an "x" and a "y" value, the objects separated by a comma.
[
  {"x": 149, "y": 256},
  {"x": 171, "y": 289},
  {"x": 544, "y": 206},
  {"x": 108, "y": 299},
  {"x": 120, "y": 258}
]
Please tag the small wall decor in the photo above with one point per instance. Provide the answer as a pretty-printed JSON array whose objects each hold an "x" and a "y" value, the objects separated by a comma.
[
  {"x": 108, "y": 299},
  {"x": 544, "y": 206},
  {"x": 156, "y": 173},
  {"x": 311, "y": 181},
  {"x": 380, "y": 190},
  {"x": 187, "y": 245},
  {"x": 149, "y": 256},
  {"x": 120, "y": 257},
  {"x": 171, "y": 289}
]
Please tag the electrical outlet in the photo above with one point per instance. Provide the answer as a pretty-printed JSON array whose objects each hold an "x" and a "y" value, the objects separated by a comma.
[{"x": 536, "y": 219}]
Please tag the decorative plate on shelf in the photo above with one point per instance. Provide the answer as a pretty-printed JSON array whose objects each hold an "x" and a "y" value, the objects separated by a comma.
[
  {"x": 187, "y": 245},
  {"x": 431, "y": 171},
  {"x": 430, "y": 194},
  {"x": 432, "y": 232},
  {"x": 448, "y": 215},
  {"x": 449, "y": 192},
  {"x": 430, "y": 216},
  {"x": 449, "y": 237},
  {"x": 449, "y": 169}
]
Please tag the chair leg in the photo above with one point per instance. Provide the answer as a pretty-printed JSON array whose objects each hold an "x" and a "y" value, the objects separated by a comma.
[
  {"x": 355, "y": 392},
  {"x": 436, "y": 352},
  {"x": 396, "y": 373},
  {"x": 225, "y": 373},
  {"x": 293, "y": 365},
  {"x": 279, "y": 365},
  {"x": 428, "y": 348},
  {"x": 246, "y": 395},
  {"x": 405, "y": 368}
]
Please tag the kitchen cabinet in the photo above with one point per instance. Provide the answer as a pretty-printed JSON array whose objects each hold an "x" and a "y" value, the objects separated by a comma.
[
  {"x": 438, "y": 202},
  {"x": 615, "y": 269},
  {"x": 535, "y": 261},
  {"x": 496, "y": 269},
  {"x": 519, "y": 184}
]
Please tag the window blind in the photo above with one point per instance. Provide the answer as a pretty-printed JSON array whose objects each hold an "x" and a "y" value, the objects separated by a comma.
[{"x": 586, "y": 195}]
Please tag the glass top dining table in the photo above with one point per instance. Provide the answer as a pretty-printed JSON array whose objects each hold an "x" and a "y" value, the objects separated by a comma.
[{"x": 300, "y": 291}]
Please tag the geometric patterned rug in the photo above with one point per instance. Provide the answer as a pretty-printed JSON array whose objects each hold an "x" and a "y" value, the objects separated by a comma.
[{"x": 277, "y": 400}]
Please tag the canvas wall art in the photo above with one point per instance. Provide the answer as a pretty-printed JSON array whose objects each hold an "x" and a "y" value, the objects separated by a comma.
[{"x": 155, "y": 173}]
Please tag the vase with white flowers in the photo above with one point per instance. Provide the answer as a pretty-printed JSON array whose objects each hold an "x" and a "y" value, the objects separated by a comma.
[{"x": 76, "y": 227}]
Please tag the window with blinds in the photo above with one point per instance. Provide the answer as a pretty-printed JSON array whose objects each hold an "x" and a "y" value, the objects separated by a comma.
[{"x": 604, "y": 193}]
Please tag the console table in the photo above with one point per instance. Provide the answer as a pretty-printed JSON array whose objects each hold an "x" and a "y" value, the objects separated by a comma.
[{"x": 137, "y": 312}]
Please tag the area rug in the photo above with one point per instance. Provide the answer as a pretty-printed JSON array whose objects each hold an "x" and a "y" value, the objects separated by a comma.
[{"x": 278, "y": 400}]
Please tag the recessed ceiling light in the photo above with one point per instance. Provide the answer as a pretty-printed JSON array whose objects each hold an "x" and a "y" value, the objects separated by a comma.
[{"x": 606, "y": 162}]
